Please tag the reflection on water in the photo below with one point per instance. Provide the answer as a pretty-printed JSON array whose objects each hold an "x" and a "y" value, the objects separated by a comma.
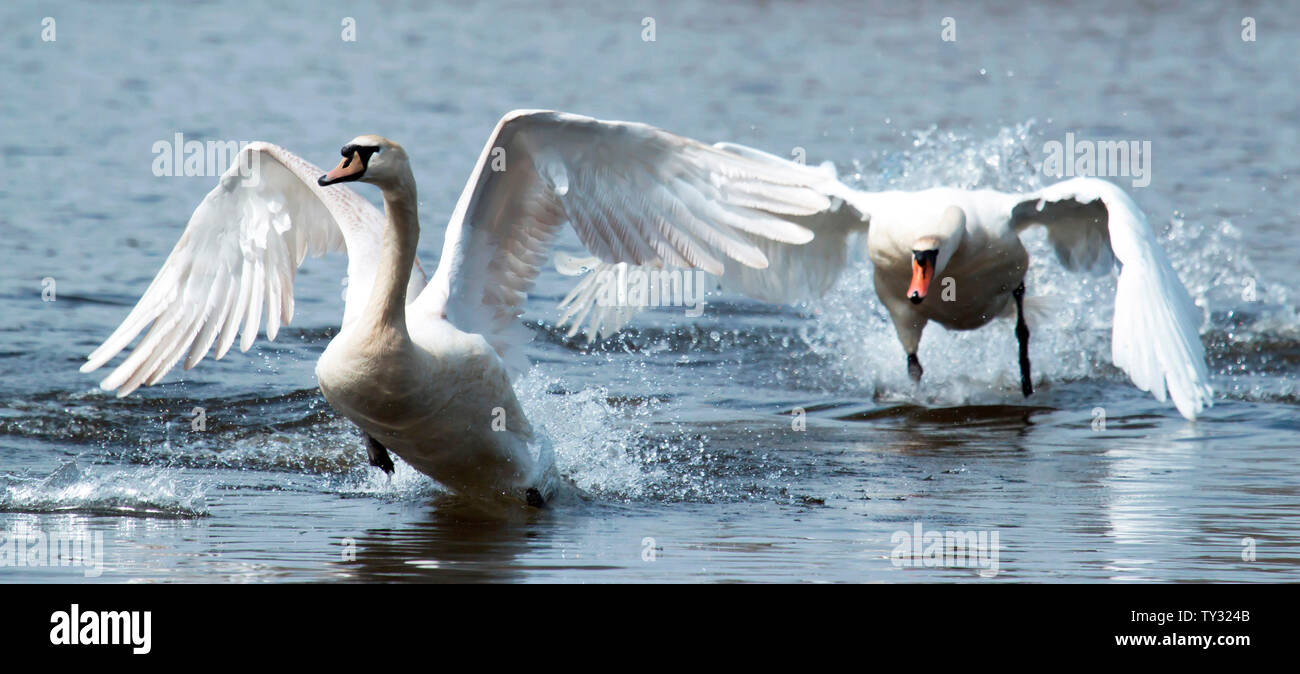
[
  {"x": 1141, "y": 501},
  {"x": 447, "y": 545}
]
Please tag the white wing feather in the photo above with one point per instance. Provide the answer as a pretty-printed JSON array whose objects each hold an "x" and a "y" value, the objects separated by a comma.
[
  {"x": 235, "y": 264},
  {"x": 633, "y": 193},
  {"x": 1155, "y": 332},
  {"x": 793, "y": 272}
]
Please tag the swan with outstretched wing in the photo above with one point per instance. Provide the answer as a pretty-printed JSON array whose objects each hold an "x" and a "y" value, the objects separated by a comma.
[
  {"x": 973, "y": 238},
  {"x": 425, "y": 371}
]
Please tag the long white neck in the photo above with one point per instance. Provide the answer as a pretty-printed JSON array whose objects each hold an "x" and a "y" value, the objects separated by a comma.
[{"x": 386, "y": 306}]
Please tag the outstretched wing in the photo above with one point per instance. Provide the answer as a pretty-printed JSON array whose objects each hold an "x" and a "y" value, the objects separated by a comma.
[
  {"x": 633, "y": 193},
  {"x": 235, "y": 265},
  {"x": 1155, "y": 334},
  {"x": 793, "y": 273}
]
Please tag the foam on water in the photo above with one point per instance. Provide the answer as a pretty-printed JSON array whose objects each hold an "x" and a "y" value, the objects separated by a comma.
[{"x": 147, "y": 492}]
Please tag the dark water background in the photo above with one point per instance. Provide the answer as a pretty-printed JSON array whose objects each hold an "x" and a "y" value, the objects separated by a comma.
[{"x": 679, "y": 428}]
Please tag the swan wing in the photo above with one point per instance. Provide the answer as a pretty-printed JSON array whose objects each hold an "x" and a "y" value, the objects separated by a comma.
[
  {"x": 794, "y": 272},
  {"x": 235, "y": 263},
  {"x": 1155, "y": 332},
  {"x": 633, "y": 193},
  {"x": 797, "y": 273}
]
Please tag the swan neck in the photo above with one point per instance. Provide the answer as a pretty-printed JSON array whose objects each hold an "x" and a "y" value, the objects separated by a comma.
[{"x": 387, "y": 305}]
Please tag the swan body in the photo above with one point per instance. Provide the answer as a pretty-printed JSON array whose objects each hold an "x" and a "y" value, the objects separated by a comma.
[
  {"x": 968, "y": 242},
  {"x": 975, "y": 253},
  {"x": 429, "y": 398},
  {"x": 1093, "y": 226},
  {"x": 425, "y": 370}
]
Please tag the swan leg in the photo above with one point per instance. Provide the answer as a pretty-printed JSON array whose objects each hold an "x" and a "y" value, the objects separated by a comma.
[
  {"x": 1022, "y": 335},
  {"x": 378, "y": 454},
  {"x": 914, "y": 369}
]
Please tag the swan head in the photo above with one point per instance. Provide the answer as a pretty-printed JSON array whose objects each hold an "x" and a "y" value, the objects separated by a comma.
[
  {"x": 931, "y": 253},
  {"x": 370, "y": 159}
]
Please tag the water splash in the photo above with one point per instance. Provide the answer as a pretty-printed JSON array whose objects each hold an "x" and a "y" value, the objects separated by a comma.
[
  {"x": 1003, "y": 161},
  {"x": 152, "y": 492},
  {"x": 597, "y": 445},
  {"x": 405, "y": 484}
]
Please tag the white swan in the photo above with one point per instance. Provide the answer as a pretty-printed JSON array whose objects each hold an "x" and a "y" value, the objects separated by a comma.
[
  {"x": 426, "y": 371},
  {"x": 970, "y": 241}
]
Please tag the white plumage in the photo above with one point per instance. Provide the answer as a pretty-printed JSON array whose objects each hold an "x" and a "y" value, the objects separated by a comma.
[
  {"x": 235, "y": 263},
  {"x": 1155, "y": 331},
  {"x": 426, "y": 370}
]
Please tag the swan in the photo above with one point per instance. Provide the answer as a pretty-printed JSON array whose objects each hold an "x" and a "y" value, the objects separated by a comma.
[
  {"x": 424, "y": 366},
  {"x": 969, "y": 240}
]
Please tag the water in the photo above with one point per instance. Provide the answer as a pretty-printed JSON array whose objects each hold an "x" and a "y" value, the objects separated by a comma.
[{"x": 680, "y": 429}]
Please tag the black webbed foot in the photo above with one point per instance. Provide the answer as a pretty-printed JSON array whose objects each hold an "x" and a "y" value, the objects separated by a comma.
[
  {"x": 1022, "y": 336},
  {"x": 914, "y": 369},
  {"x": 378, "y": 455}
]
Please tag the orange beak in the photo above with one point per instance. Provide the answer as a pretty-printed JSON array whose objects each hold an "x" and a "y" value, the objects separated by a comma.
[
  {"x": 921, "y": 273},
  {"x": 350, "y": 168}
]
